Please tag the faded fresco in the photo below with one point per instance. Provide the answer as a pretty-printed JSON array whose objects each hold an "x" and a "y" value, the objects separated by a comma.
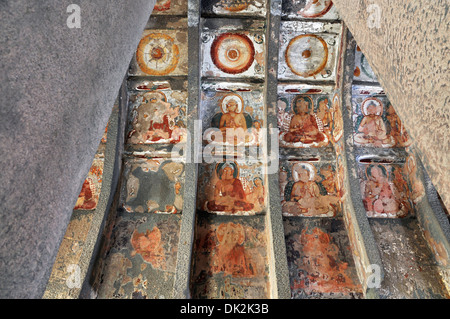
[
  {"x": 232, "y": 188},
  {"x": 309, "y": 51},
  {"x": 157, "y": 117},
  {"x": 230, "y": 258},
  {"x": 232, "y": 117},
  {"x": 390, "y": 190},
  {"x": 153, "y": 186},
  {"x": 320, "y": 260},
  {"x": 363, "y": 70},
  {"x": 170, "y": 7},
  {"x": 309, "y": 189},
  {"x": 92, "y": 185},
  {"x": 376, "y": 123},
  {"x": 233, "y": 54},
  {"x": 309, "y": 9},
  {"x": 161, "y": 53},
  {"x": 142, "y": 258},
  {"x": 234, "y": 8}
]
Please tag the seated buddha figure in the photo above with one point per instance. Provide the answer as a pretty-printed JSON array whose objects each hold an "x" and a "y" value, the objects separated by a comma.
[
  {"x": 304, "y": 197},
  {"x": 372, "y": 129},
  {"x": 303, "y": 127},
  {"x": 229, "y": 195},
  {"x": 233, "y": 123},
  {"x": 231, "y": 256},
  {"x": 380, "y": 196}
]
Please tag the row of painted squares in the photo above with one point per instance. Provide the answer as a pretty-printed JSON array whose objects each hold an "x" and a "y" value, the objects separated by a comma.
[
  {"x": 389, "y": 190},
  {"x": 230, "y": 246},
  {"x": 309, "y": 50},
  {"x": 157, "y": 115},
  {"x": 309, "y": 118},
  {"x": 140, "y": 258},
  {"x": 294, "y": 9},
  {"x": 157, "y": 121}
]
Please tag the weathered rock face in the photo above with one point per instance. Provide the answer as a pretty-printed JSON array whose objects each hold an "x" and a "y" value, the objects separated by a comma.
[
  {"x": 58, "y": 89},
  {"x": 406, "y": 44}
]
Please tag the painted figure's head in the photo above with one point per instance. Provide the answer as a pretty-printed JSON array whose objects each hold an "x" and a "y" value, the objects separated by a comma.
[{"x": 302, "y": 105}]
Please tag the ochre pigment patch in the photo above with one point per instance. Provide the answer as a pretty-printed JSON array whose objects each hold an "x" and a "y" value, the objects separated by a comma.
[
  {"x": 230, "y": 259},
  {"x": 320, "y": 260}
]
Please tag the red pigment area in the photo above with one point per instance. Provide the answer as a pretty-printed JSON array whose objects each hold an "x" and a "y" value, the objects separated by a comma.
[
  {"x": 149, "y": 246},
  {"x": 323, "y": 272}
]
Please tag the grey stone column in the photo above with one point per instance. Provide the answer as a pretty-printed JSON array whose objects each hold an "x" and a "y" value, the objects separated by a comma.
[{"x": 58, "y": 86}]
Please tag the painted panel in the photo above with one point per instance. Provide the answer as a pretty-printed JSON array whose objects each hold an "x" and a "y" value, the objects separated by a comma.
[
  {"x": 309, "y": 9},
  {"x": 235, "y": 8},
  {"x": 363, "y": 70},
  {"x": 230, "y": 258},
  {"x": 153, "y": 186},
  {"x": 309, "y": 188},
  {"x": 157, "y": 114},
  {"x": 309, "y": 50},
  {"x": 375, "y": 122},
  {"x": 170, "y": 7},
  {"x": 232, "y": 113},
  {"x": 92, "y": 185},
  {"x": 320, "y": 260},
  {"x": 233, "y": 53},
  {"x": 389, "y": 190},
  {"x": 232, "y": 188},
  {"x": 308, "y": 116},
  {"x": 161, "y": 53},
  {"x": 142, "y": 257}
]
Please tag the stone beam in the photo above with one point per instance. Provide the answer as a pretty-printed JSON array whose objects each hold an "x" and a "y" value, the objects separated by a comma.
[{"x": 61, "y": 68}]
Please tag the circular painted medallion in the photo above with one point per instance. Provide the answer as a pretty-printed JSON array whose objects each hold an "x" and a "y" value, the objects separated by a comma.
[
  {"x": 316, "y": 8},
  {"x": 232, "y": 53},
  {"x": 157, "y": 54},
  {"x": 306, "y": 55}
]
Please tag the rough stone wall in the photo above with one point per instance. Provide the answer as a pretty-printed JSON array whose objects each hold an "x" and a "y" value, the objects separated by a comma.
[
  {"x": 406, "y": 44},
  {"x": 58, "y": 86}
]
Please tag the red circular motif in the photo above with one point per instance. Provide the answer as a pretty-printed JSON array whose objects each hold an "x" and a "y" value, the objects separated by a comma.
[
  {"x": 316, "y": 13},
  {"x": 232, "y": 53}
]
